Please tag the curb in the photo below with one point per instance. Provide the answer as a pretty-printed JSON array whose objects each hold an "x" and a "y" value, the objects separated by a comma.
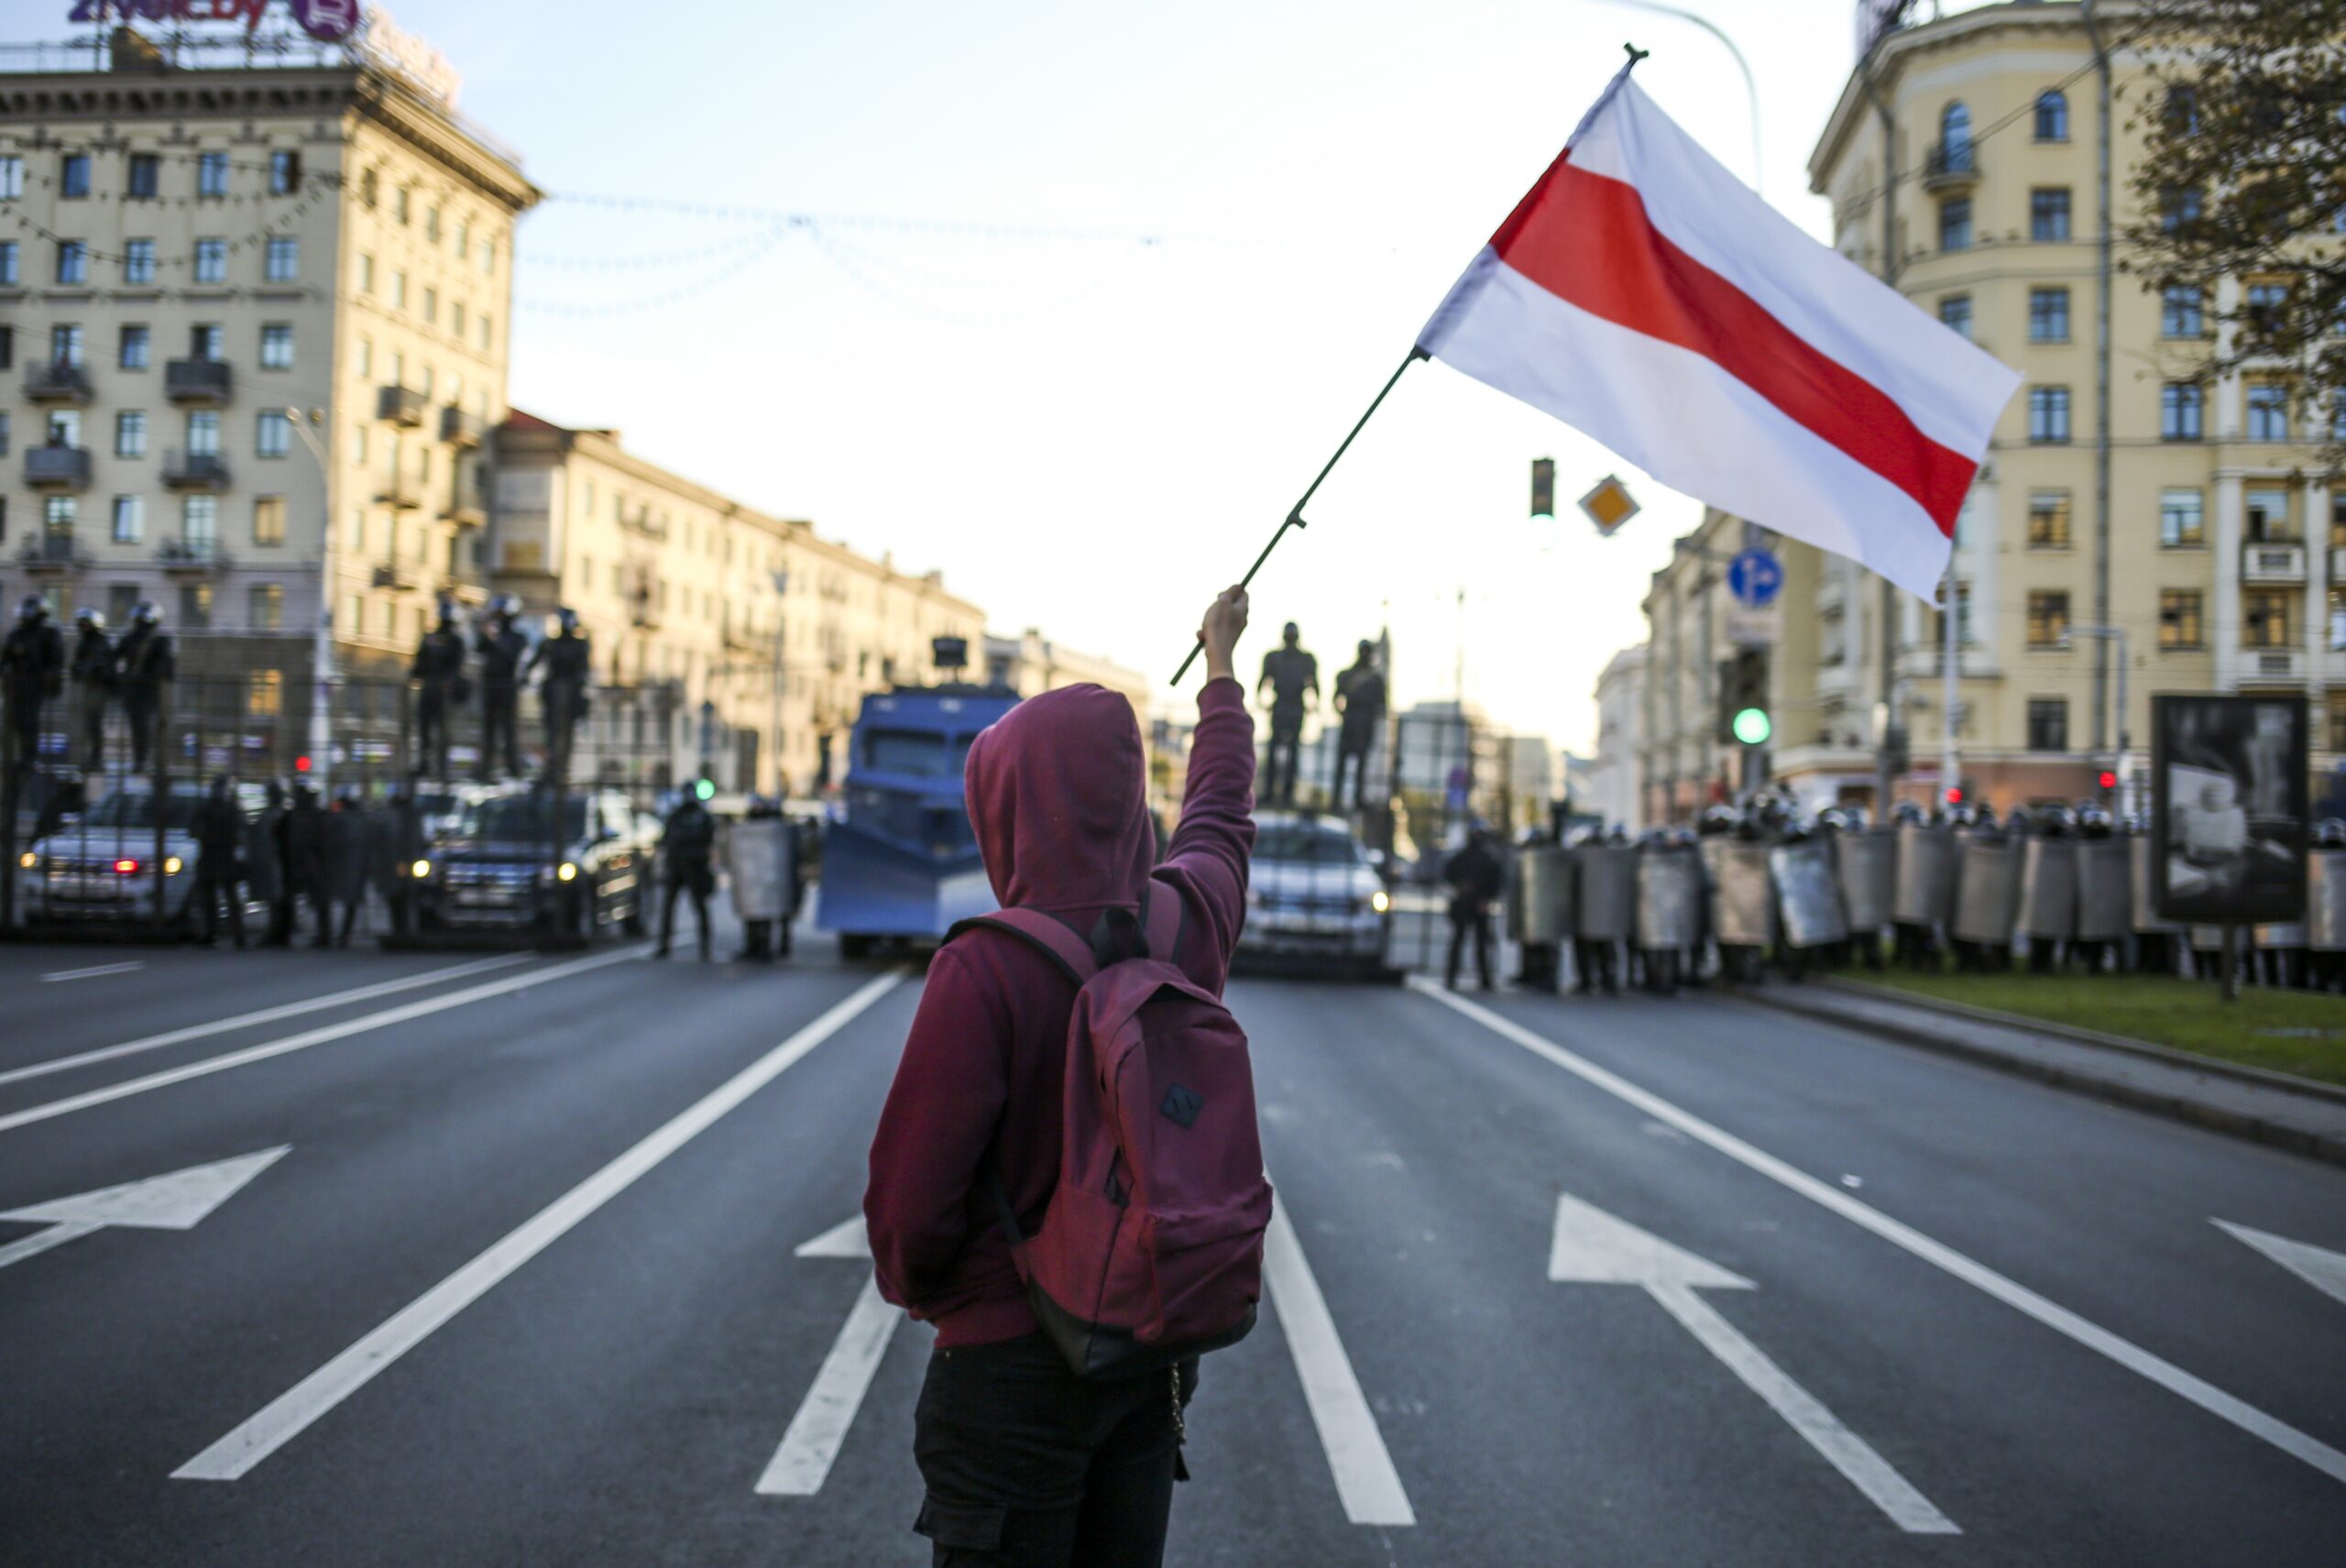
[{"x": 2328, "y": 1147}]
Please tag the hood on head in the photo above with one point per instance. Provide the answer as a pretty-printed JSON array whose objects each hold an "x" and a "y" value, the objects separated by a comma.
[{"x": 1057, "y": 795}]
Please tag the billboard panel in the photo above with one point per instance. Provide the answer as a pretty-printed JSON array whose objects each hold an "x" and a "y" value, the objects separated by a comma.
[{"x": 2228, "y": 807}]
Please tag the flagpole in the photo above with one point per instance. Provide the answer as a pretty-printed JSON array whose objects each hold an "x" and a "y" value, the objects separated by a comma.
[{"x": 1294, "y": 518}]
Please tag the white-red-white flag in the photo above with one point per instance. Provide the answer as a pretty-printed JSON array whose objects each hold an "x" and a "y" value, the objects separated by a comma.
[{"x": 1646, "y": 296}]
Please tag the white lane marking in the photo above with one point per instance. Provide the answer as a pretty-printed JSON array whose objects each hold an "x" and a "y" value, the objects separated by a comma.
[
  {"x": 846, "y": 1239},
  {"x": 92, "y": 972},
  {"x": 2318, "y": 1267},
  {"x": 175, "y": 1202},
  {"x": 801, "y": 1464},
  {"x": 266, "y": 1015},
  {"x": 1365, "y": 1480},
  {"x": 317, "y": 1037},
  {"x": 290, "y": 1414},
  {"x": 2126, "y": 1353}
]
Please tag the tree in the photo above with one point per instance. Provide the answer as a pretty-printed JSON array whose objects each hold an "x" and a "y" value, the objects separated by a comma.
[{"x": 2243, "y": 177}]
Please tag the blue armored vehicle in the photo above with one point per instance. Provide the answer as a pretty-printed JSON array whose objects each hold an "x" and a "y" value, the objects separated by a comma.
[{"x": 900, "y": 860}]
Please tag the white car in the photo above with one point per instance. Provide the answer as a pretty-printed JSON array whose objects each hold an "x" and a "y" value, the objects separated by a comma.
[
  {"x": 105, "y": 867},
  {"x": 1313, "y": 895}
]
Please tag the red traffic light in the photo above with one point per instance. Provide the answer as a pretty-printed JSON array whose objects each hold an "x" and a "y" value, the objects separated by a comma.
[
  {"x": 2108, "y": 780},
  {"x": 1954, "y": 794},
  {"x": 300, "y": 765}
]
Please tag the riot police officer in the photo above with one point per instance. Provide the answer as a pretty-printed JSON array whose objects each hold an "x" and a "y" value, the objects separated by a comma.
[
  {"x": 1360, "y": 697},
  {"x": 93, "y": 672},
  {"x": 146, "y": 664},
  {"x": 32, "y": 666},
  {"x": 219, "y": 832},
  {"x": 439, "y": 670},
  {"x": 569, "y": 658},
  {"x": 2102, "y": 891},
  {"x": 2046, "y": 917},
  {"x": 1476, "y": 877},
  {"x": 343, "y": 861},
  {"x": 761, "y": 849},
  {"x": 1293, "y": 676},
  {"x": 305, "y": 865},
  {"x": 686, "y": 840},
  {"x": 264, "y": 869},
  {"x": 503, "y": 647}
]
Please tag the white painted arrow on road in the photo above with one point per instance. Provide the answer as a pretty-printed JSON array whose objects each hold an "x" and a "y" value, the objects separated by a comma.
[
  {"x": 171, "y": 1202},
  {"x": 1593, "y": 1247},
  {"x": 803, "y": 1462},
  {"x": 2317, "y": 1266}
]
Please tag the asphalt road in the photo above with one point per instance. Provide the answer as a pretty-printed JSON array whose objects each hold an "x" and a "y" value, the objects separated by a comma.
[{"x": 522, "y": 1286}]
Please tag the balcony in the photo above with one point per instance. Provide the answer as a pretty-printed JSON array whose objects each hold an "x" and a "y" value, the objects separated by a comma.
[
  {"x": 57, "y": 384},
  {"x": 1832, "y": 595},
  {"x": 645, "y": 616},
  {"x": 195, "y": 471},
  {"x": 399, "y": 405},
  {"x": 464, "y": 512},
  {"x": 49, "y": 554},
  {"x": 1841, "y": 680},
  {"x": 396, "y": 575},
  {"x": 191, "y": 557},
  {"x": 458, "y": 428},
  {"x": 197, "y": 383},
  {"x": 400, "y": 492},
  {"x": 1951, "y": 168},
  {"x": 2265, "y": 664},
  {"x": 48, "y": 468},
  {"x": 2271, "y": 563}
]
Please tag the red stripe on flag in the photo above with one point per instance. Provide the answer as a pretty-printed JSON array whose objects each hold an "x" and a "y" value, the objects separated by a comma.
[{"x": 1586, "y": 238}]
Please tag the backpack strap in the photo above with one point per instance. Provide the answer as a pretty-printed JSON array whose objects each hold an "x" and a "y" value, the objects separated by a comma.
[{"x": 1053, "y": 937}]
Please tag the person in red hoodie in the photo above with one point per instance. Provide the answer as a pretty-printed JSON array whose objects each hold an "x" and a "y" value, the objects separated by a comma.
[{"x": 1026, "y": 1464}]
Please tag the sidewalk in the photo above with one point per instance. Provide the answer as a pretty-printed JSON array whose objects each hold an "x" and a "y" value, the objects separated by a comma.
[{"x": 2304, "y": 1118}]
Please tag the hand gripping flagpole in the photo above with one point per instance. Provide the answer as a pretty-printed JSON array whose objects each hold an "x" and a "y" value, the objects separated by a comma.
[{"x": 1294, "y": 518}]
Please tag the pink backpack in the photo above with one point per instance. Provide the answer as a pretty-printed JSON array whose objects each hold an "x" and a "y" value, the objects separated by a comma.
[{"x": 1151, "y": 1250}]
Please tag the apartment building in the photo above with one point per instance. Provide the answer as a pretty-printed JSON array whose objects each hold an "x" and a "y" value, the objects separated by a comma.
[
  {"x": 2219, "y": 562},
  {"x": 768, "y": 636},
  {"x": 254, "y": 324},
  {"x": 1606, "y": 784}
]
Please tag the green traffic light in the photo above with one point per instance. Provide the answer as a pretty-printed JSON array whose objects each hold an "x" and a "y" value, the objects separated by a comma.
[
  {"x": 704, "y": 789},
  {"x": 1751, "y": 727}
]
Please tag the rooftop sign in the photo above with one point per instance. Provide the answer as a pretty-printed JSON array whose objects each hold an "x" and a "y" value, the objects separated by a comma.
[{"x": 328, "y": 21}]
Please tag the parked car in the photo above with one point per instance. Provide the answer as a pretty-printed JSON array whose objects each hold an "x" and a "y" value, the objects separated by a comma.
[
  {"x": 104, "y": 866},
  {"x": 1313, "y": 897},
  {"x": 505, "y": 867}
]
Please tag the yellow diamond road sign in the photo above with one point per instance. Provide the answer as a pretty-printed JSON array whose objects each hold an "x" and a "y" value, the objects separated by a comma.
[{"x": 1609, "y": 505}]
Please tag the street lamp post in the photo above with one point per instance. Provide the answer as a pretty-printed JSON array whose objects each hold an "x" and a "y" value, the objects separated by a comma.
[
  {"x": 2125, "y": 742},
  {"x": 321, "y": 633}
]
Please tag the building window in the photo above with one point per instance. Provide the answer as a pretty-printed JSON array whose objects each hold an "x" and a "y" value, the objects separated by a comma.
[
  {"x": 1954, "y": 313},
  {"x": 5, "y": 435},
  {"x": 2338, "y": 519},
  {"x": 72, "y": 262},
  {"x": 365, "y": 357},
  {"x": 272, "y": 434},
  {"x": 130, "y": 433},
  {"x": 139, "y": 261},
  {"x": 129, "y": 520},
  {"x": 282, "y": 261},
  {"x": 359, "y": 445},
  {"x": 365, "y": 273},
  {"x": 1955, "y": 223},
  {"x": 137, "y": 348},
  {"x": 431, "y": 307},
  {"x": 2048, "y": 519},
  {"x": 2268, "y": 306},
  {"x": 212, "y": 261},
  {"x": 369, "y": 188},
  {"x": 2048, "y": 618},
  {"x": 284, "y": 171},
  {"x": 2048, "y": 414},
  {"x": 59, "y": 514},
  {"x": 264, "y": 610},
  {"x": 2268, "y": 412},
  {"x": 2265, "y": 617},
  {"x": 484, "y": 331},
  {"x": 200, "y": 523},
  {"x": 457, "y": 317},
  {"x": 74, "y": 178},
  {"x": 2181, "y": 410},
  {"x": 2182, "y": 523},
  {"x": 204, "y": 432},
  {"x": 2052, "y": 115},
  {"x": 2269, "y": 522},
  {"x": 2048, "y": 213},
  {"x": 399, "y": 290},
  {"x": 11, "y": 269},
  {"x": 432, "y": 225},
  {"x": 122, "y": 599},
  {"x": 2180, "y": 206},
  {"x": 65, "y": 344},
  {"x": 269, "y": 519},
  {"x": 195, "y": 605},
  {"x": 207, "y": 341},
  {"x": 399, "y": 206},
  {"x": 211, "y": 175},
  {"x": 2048, "y": 724},
  {"x": 146, "y": 178},
  {"x": 2048, "y": 315},
  {"x": 488, "y": 256},
  {"x": 2183, "y": 310},
  {"x": 264, "y": 689},
  {"x": 2336, "y": 704},
  {"x": 277, "y": 345},
  {"x": 12, "y": 177},
  {"x": 2179, "y": 622}
]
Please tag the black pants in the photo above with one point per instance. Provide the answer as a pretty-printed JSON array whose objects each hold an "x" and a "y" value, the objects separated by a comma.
[
  {"x": 216, "y": 879},
  {"x": 497, "y": 728},
  {"x": 94, "y": 727},
  {"x": 698, "y": 888},
  {"x": 140, "y": 711},
  {"x": 1029, "y": 1466},
  {"x": 1278, "y": 766},
  {"x": 1353, "y": 752},
  {"x": 432, "y": 733},
  {"x": 1464, "y": 918}
]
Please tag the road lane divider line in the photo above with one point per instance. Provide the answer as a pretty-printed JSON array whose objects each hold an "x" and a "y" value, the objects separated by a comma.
[
  {"x": 1367, "y": 1483},
  {"x": 803, "y": 1461},
  {"x": 318, "y": 1036},
  {"x": 293, "y": 1411},
  {"x": 93, "y": 971},
  {"x": 2269, "y": 1429},
  {"x": 246, "y": 1020}
]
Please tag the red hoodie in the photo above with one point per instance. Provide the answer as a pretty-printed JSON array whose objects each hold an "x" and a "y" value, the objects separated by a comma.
[{"x": 1057, "y": 792}]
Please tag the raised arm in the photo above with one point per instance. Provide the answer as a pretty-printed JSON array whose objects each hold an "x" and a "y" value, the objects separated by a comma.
[{"x": 1209, "y": 854}]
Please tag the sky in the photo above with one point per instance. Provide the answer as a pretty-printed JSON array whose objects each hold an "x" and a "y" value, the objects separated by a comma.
[{"x": 1092, "y": 290}]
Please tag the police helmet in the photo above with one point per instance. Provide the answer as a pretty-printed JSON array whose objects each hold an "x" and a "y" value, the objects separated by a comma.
[
  {"x": 1715, "y": 820},
  {"x": 1906, "y": 814},
  {"x": 2093, "y": 821},
  {"x": 2056, "y": 821},
  {"x": 505, "y": 607},
  {"x": 88, "y": 618},
  {"x": 1833, "y": 819},
  {"x": 566, "y": 618},
  {"x": 33, "y": 610},
  {"x": 2330, "y": 833},
  {"x": 149, "y": 613}
]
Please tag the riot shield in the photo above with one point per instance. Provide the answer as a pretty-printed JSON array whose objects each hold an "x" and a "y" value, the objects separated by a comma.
[
  {"x": 1606, "y": 907},
  {"x": 757, "y": 854},
  {"x": 1986, "y": 883},
  {"x": 2048, "y": 890},
  {"x": 1808, "y": 896},
  {"x": 1543, "y": 881},
  {"x": 2105, "y": 890},
  {"x": 1670, "y": 890},
  {"x": 1864, "y": 864},
  {"x": 2326, "y": 901},
  {"x": 1743, "y": 901},
  {"x": 1922, "y": 881},
  {"x": 2138, "y": 861}
]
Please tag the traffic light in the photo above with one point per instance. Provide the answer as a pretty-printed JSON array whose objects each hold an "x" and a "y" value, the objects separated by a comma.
[
  {"x": 1954, "y": 794},
  {"x": 1543, "y": 489},
  {"x": 1743, "y": 699},
  {"x": 2107, "y": 782}
]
